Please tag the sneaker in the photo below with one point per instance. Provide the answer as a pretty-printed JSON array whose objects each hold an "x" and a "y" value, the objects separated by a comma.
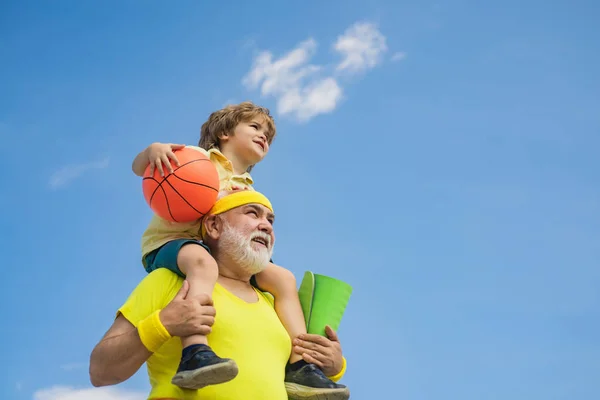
[
  {"x": 201, "y": 367},
  {"x": 305, "y": 381}
]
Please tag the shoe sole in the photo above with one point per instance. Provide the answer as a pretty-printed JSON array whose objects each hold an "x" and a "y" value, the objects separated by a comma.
[
  {"x": 300, "y": 392},
  {"x": 211, "y": 375}
]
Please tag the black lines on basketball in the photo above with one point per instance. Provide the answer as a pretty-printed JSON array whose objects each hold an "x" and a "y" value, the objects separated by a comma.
[
  {"x": 167, "y": 201},
  {"x": 182, "y": 197},
  {"x": 155, "y": 189},
  {"x": 186, "y": 194},
  {"x": 174, "y": 174}
]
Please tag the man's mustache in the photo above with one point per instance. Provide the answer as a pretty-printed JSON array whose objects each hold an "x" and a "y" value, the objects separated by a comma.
[{"x": 261, "y": 235}]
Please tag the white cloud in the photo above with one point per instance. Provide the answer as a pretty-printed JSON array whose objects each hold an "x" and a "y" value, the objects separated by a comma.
[
  {"x": 306, "y": 102},
  {"x": 398, "y": 56},
  {"x": 361, "y": 46},
  {"x": 295, "y": 83},
  {"x": 103, "y": 393},
  {"x": 67, "y": 174},
  {"x": 304, "y": 90}
]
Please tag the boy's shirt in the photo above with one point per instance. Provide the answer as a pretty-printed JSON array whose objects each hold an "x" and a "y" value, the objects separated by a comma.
[{"x": 160, "y": 231}]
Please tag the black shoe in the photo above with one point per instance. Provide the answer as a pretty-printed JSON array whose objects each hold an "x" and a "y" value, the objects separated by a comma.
[
  {"x": 201, "y": 367},
  {"x": 305, "y": 381}
]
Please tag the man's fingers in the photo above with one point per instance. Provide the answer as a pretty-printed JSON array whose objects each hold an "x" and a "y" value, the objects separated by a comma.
[
  {"x": 323, "y": 341},
  {"x": 183, "y": 291},
  {"x": 331, "y": 334},
  {"x": 315, "y": 350},
  {"x": 203, "y": 299},
  {"x": 207, "y": 320},
  {"x": 177, "y": 146},
  {"x": 312, "y": 345},
  {"x": 311, "y": 360},
  {"x": 151, "y": 169},
  {"x": 204, "y": 330},
  {"x": 208, "y": 311}
]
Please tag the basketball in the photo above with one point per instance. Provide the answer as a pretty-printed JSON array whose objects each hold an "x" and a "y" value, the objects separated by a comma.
[{"x": 188, "y": 193}]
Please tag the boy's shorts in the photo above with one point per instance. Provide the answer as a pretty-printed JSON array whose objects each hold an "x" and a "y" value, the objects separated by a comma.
[{"x": 166, "y": 256}]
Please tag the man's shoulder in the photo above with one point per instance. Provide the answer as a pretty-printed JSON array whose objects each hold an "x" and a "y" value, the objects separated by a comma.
[
  {"x": 152, "y": 293},
  {"x": 160, "y": 283}
]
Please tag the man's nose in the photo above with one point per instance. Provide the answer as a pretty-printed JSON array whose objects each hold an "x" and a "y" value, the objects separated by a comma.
[{"x": 265, "y": 226}]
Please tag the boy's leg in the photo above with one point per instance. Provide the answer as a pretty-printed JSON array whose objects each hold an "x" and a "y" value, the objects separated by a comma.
[
  {"x": 199, "y": 365},
  {"x": 302, "y": 380},
  {"x": 281, "y": 283},
  {"x": 201, "y": 271}
]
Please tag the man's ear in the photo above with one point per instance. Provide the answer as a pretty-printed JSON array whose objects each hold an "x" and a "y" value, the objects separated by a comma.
[{"x": 214, "y": 226}]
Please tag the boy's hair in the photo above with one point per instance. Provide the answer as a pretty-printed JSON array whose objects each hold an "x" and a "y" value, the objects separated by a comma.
[{"x": 225, "y": 120}]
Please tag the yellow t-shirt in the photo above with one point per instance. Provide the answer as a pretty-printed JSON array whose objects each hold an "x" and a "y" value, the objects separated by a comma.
[
  {"x": 161, "y": 231},
  {"x": 249, "y": 333}
]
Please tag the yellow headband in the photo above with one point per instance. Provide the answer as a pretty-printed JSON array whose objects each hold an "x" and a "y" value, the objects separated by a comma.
[{"x": 235, "y": 200}]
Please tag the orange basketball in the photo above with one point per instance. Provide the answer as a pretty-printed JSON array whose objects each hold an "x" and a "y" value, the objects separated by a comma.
[{"x": 188, "y": 193}]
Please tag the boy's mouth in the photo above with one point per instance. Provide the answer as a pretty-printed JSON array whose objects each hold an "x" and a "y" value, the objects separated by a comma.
[{"x": 261, "y": 144}]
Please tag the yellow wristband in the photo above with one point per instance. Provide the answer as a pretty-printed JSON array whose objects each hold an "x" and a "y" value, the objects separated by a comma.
[
  {"x": 153, "y": 333},
  {"x": 340, "y": 374}
]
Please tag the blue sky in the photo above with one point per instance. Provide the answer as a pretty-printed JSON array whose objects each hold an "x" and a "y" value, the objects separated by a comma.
[{"x": 442, "y": 157}]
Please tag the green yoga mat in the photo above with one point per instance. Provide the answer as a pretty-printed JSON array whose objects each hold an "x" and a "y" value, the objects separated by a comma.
[{"x": 324, "y": 300}]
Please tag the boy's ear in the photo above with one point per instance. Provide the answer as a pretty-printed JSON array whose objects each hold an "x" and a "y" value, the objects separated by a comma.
[
  {"x": 224, "y": 136},
  {"x": 214, "y": 226}
]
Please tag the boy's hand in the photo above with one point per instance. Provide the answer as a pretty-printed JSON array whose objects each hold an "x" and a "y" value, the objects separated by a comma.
[
  {"x": 161, "y": 153},
  {"x": 324, "y": 352}
]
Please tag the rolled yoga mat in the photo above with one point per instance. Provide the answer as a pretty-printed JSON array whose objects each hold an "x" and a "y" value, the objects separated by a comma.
[{"x": 324, "y": 300}]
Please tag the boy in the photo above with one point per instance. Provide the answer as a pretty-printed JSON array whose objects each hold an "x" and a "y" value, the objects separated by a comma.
[{"x": 235, "y": 138}]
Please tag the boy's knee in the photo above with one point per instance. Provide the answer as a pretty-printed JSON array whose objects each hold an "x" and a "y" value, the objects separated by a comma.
[
  {"x": 193, "y": 256},
  {"x": 286, "y": 278}
]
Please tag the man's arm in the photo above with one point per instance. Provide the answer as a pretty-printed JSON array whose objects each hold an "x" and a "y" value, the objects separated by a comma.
[
  {"x": 119, "y": 355},
  {"x": 125, "y": 347}
]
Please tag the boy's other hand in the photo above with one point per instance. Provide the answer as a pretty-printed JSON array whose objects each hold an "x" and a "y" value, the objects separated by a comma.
[{"x": 162, "y": 153}]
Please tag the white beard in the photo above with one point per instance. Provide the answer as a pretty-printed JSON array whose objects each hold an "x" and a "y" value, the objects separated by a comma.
[{"x": 239, "y": 248}]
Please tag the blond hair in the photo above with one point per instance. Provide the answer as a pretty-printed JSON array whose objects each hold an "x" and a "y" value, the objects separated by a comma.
[{"x": 226, "y": 119}]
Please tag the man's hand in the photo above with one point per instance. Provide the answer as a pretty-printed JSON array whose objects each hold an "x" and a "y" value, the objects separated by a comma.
[
  {"x": 162, "y": 153},
  {"x": 185, "y": 316},
  {"x": 324, "y": 352}
]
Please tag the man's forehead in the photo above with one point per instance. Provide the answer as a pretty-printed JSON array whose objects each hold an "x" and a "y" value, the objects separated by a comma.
[{"x": 261, "y": 208}]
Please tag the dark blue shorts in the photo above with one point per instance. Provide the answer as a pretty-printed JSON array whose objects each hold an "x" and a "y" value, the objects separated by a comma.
[{"x": 166, "y": 255}]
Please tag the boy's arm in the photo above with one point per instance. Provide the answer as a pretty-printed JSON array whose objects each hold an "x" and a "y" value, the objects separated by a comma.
[{"x": 156, "y": 155}]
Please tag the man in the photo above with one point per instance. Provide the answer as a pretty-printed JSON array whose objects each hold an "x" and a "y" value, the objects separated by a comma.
[{"x": 239, "y": 233}]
